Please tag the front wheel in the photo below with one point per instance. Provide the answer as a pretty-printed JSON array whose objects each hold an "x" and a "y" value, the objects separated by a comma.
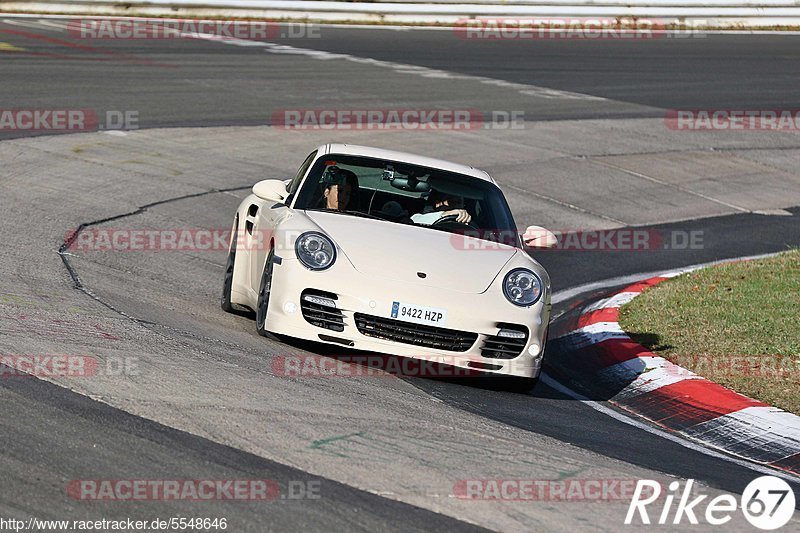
[
  {"x": 263, "y": 297},
  {"x": 225, "y": 301}
]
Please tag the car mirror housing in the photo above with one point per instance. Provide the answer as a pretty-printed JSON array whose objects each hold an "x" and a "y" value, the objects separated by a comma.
[
  {"x": 539, "y": 237},
  {"x": 272, "y": 190}
]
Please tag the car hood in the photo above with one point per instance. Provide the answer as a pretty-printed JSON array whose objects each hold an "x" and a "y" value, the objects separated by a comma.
[{"x": 401, "y": 252}]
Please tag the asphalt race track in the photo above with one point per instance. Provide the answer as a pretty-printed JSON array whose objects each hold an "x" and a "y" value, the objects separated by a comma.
[
  {"x": 191, "y": 82},
  {"x": 200, "y": 397}
]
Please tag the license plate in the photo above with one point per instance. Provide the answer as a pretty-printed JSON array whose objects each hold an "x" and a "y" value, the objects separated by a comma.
[{"x": 430, "y": 316}]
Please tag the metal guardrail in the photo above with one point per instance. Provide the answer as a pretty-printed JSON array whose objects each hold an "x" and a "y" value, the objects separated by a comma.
[
  {"x": 743, "y": 13},
  {"x": 638, "y": 3}
]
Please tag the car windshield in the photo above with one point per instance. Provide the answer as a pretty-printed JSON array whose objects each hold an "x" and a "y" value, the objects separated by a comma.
[{"x": 408, "y": 194}]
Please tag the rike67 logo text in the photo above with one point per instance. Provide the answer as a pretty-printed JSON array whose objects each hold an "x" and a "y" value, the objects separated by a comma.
[{"x": 767, "y": 503}]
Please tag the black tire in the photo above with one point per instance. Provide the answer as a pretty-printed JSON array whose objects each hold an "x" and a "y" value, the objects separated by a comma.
[
  {"x": 264, "y": 290},
  {"x": 225, "y": 301}
]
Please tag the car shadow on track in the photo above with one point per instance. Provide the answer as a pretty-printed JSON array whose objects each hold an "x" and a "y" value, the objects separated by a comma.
[{"x": 329, "y": 360}]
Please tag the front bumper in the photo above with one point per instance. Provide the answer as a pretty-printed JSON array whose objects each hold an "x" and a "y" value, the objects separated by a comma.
[{"x": 477, "y": 314}]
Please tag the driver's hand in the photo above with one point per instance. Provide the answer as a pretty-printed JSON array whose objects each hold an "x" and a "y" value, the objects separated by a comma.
[{"x": 463, "y": 216}]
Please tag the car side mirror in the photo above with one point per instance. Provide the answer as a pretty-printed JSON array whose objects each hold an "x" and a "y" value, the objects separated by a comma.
[
  {"x": 539, "y": 237},
  {"x": 271, "y": 190}
]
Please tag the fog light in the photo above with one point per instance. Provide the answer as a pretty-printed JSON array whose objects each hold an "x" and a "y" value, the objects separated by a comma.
[
  {"x": 534, "y": 349},
  {"x": 511, "y": 334},
  {"x": 319, "y": 300}
]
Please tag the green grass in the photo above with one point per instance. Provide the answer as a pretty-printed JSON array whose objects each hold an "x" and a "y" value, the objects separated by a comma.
[{"x": 737, "y": 324}]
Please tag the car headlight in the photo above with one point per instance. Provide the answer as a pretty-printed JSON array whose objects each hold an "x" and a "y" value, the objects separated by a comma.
[
  {"x": 522, "y": 287},
  {"x": 315, "y": 250}
]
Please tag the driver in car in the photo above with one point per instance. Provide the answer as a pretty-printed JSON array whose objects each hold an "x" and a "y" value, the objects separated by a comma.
[
  {"x": 441, "y": 205},
  {"x": 340, "y": 186}
]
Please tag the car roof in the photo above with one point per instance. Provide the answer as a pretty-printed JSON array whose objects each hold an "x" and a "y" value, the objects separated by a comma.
[{"x": 403, "y": 157}]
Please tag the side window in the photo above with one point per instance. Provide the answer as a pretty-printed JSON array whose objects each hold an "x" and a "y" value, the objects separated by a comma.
[{"x": 299, "y": 177}]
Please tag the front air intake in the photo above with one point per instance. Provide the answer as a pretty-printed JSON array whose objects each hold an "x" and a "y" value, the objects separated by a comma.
[
  {"x": 319, "y": 309},
  {"x": 507, "y": 344},
  {"x": 415, "y": 334}
]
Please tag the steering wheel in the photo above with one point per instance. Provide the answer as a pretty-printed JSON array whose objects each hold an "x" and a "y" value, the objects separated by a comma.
[{"x": 451, "y": 220}]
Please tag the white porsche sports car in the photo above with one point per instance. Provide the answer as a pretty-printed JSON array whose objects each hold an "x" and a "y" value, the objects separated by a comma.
[{"x": 395, "y": 254}]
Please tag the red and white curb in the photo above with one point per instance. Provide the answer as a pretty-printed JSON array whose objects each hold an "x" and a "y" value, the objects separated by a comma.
[{"x": 649, "y": 386}]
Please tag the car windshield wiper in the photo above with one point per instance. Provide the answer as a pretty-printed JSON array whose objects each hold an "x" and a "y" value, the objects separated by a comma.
[{"x": 347, "y": 212}]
